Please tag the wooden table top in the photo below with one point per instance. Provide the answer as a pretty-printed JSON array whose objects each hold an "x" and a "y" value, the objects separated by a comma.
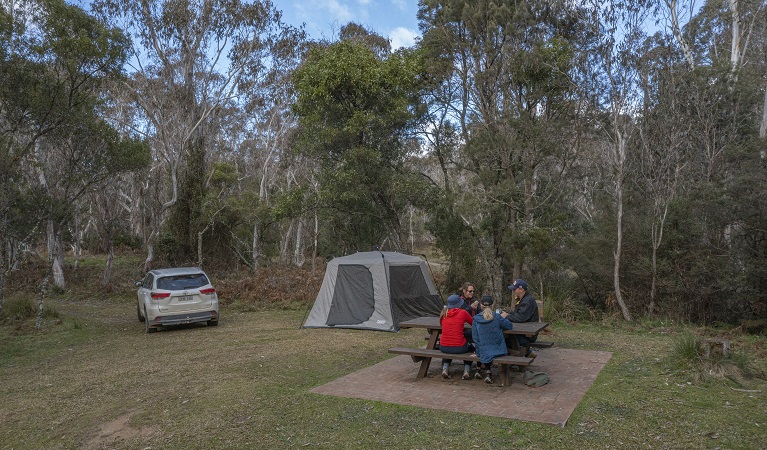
[{"x": 432, "y": 323}]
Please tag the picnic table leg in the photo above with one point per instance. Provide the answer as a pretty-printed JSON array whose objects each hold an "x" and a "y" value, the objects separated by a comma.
[
  {"x": 514, "y": 348},
  {"x": 433, "y": 335},
  {"x": 505, "y": 374},
  {"x": 424, "y": 368},
  {"x": 425, "y": 362}
]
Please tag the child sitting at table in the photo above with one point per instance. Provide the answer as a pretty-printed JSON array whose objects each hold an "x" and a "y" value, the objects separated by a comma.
[
  {"x": 452, "y": 318},
  {"x": 487, "y": 332}
]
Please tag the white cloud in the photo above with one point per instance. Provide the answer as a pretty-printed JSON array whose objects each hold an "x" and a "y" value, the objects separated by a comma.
[
  {"x": 400, "y": 4},
  {"x": 335, "y": 9},
  {"x": 402, "y": 37}
]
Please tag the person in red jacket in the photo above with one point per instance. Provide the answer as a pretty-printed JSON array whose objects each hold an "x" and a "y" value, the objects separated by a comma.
[{"x": 452, "y": 318}]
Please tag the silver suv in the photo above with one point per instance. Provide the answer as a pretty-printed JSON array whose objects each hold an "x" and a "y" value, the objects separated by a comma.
[{"x": 176, "y": 296}]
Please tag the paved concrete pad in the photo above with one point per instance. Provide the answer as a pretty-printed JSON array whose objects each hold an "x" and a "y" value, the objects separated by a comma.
[{"x": 394, "y": 380}]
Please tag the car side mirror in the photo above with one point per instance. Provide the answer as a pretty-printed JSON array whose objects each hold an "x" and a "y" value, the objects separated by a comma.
[{"x": 138, "y": 283}]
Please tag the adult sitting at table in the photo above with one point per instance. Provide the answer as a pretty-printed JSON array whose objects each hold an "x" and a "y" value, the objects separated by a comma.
[
  {"x": 487, "y": 332},
  {"x": 526, "y": 311},
  {"x": 470, "y": 303},
  {"x": 452, "y": 318}
]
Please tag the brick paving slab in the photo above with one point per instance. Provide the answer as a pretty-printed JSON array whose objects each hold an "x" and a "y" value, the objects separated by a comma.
[{"x": 572, "y": 372}]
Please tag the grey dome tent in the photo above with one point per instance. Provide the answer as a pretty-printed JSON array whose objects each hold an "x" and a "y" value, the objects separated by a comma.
[{"x": 374, "y": 291}]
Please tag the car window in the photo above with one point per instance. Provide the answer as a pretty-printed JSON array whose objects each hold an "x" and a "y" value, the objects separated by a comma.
[
  {"x": 181, "y": 282},
  {"x": 147, "y": 284}
]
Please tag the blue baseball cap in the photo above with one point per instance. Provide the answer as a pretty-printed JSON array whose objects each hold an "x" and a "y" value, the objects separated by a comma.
[
  {"x": 454, "y": 301},
  {"x": 518, "y": 284}
]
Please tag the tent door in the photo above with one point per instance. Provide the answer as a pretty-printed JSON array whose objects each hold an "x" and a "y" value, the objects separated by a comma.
[{"x": 353, "y": 300}]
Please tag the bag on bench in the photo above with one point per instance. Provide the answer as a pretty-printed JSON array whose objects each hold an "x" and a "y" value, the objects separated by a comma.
[{"x": 535, "y": 379}]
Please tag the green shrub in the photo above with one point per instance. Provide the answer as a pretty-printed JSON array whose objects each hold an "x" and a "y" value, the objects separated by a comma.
[
  {"x": 560, "y": 303},
  {"x": 22, "y": 307}
]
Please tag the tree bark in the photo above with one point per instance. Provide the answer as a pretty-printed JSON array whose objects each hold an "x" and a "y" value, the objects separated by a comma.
[
  {"x": 110, "y": 260},
  {"x": 763, "y": 127},
  {"x": 298, "y": 253},
  {"x": 314, "y": 243},
  {"x": 736, "y": 36},
  {"x": 620, "y": 149},
  {"x": 678, "y": 34},
  {"x": 56, "y": 256},
  {"x": 256, "y": 246}
]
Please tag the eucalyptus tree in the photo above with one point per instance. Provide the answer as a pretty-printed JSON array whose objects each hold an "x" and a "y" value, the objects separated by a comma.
[
  {"x": 723, "y": 108},
  {"x": 505, "y": 69},
  {"x": 733, "y": 29},
  {"x": 618, "y": 26},
  {"x": 357, "y": 106},
  {"x": 664, "y": 146},
  {"x": 188, "y": 60},
  {"x": 55, "y": 60}
]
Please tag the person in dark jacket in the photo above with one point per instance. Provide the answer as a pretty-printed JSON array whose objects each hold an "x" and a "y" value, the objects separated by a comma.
[
  {"x": 487, "y": 332},
  {"x": 526, "y": 311},
  {"x": 470, "y": 303}
]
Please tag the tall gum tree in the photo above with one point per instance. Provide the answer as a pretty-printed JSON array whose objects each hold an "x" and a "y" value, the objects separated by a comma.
[
  {"x": 617, "y": 26},
  {"x": 505, "y": 88},
  {"x": 188, "y": 60},
  {"x": 55, "y": 60}
]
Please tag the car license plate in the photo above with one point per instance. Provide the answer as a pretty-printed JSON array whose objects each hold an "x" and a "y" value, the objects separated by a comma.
[{"x": 185, "y": 298}]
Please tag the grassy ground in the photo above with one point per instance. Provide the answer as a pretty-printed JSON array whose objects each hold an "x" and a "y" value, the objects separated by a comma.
[{"x": 91, "y": 378}]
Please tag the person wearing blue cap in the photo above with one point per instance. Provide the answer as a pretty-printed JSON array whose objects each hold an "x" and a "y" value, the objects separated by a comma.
[
  {"x": 452, "y": 318},
  {"x": 526, "y": 311}
]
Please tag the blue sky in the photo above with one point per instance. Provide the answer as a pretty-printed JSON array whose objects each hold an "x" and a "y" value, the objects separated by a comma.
[{"x": 394, "y": 19}]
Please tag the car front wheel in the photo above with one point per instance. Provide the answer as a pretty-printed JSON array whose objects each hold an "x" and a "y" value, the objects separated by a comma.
[{"x": 138, "y": 313}]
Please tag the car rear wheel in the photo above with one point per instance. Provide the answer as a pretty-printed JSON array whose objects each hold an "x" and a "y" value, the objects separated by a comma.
[
  {"x": 213, "y": 323},
  {"x": 138, "y": 313},
  {"x": 146, "y": 324}
]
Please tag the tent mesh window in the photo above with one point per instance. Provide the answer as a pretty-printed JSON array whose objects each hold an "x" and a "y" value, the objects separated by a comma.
[
  {"x": 410, "y": 296},
  {"x": 353, "y": 300}
]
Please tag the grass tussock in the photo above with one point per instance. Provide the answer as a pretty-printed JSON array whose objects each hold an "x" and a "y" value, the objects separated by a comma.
[
  {"x": 693, "y": 356},
  {"x": 23, "y": 307}
]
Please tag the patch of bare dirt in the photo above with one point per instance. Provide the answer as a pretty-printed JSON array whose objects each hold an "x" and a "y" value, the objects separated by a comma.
[{"x": 113, "y": 434}]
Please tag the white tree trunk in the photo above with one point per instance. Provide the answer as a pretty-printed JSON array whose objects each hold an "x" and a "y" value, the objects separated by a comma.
[
  {"x": 410, "y": 230},
  {"x": 314, "y": 244},
  {"x": 55, "y": 255},
  {"x": 736, "y": 36},
  {"x": 298, "y": 252},
  {"x": 285, "y": 244},
  {"x": 255, "y": 252},
  {"x": 620, "y": 161},
  {"x": 110, "y": 259},
  {"x": 199, "y": 248},
  {"x": 672, "y": 5}
]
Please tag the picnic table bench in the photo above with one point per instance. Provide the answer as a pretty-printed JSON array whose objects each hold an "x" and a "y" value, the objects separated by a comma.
[
  {"x": 434, "y": 327},
  {"x": 504, "y": 362}
]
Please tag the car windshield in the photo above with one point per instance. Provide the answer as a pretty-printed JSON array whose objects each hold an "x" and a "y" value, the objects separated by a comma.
[{"x": 181, "y": 282}]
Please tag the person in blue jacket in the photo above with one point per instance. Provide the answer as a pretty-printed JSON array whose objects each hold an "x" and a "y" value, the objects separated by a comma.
[{"x": 487, "y": 332}]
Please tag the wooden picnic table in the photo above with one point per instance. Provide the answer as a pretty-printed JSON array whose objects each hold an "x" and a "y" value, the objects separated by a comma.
[{"x": 434, "y": 327}]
